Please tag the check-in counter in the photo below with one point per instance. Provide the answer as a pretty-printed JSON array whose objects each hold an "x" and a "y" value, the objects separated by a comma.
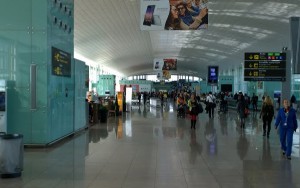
[{"x": 155, "y": 102}]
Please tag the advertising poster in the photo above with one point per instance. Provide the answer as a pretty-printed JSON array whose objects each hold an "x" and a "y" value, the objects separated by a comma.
[
  {"x": 166, "y": 74},
  {"x": 170, "y": 64},
  {"x": 159, "y": 75},
  {"x": 165, "y": 64},
  {"x": 163, "y": 75},
  {"x": 158, "y": 64},
  {"x": 173, "y": 14}
]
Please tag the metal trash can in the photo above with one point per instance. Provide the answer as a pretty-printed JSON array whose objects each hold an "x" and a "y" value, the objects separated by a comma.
[{"x": 11, "y": 155}]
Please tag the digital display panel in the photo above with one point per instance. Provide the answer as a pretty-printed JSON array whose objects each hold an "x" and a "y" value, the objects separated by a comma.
[
  {"x": 213, "y": 75},
  {"x": 265, "y": 66}
]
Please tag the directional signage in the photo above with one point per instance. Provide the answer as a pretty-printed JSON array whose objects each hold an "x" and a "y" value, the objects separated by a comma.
[
  {"x": 277, "y": 75},
  {"x": 265, "y": 66},
  {"x": 61, "y": 63},
  {"x": 261, "y": 56}
]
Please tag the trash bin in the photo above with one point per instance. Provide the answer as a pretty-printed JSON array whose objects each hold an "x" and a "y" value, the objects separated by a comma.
[{"x": 11, "y": 155}]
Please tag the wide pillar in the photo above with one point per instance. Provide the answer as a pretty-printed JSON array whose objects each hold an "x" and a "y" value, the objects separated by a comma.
[
  {"x": 295, "y": 43},
  {"x": 287, "y": 84}
]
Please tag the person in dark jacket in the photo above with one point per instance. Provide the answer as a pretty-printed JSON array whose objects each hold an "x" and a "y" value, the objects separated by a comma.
[
  {"x": 267, "y": 114},
  {"x": 293, "y": 99},
  {"x": 241, "y": 109},
  {"x": 254, "y": 100},
  {"x": 286, "y": 121}
]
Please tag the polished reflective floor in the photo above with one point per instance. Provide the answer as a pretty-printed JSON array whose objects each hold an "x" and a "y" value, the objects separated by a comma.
[{"x": 152, "y": 148}]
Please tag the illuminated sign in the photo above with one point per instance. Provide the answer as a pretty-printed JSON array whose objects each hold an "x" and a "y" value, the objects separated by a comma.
[
  {"x": 61, "y": 63},
  {"x": 213, "y": 75},
  {"x": 265, "y": 66}
]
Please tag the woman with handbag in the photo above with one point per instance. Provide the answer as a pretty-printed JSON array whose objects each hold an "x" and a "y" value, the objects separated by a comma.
[{"x": 267, "y": 114}]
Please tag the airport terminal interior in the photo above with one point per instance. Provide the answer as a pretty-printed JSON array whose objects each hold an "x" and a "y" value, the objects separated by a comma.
[
  {"x": 90, "y": 93},
  {"x": 151, "y": 147}
]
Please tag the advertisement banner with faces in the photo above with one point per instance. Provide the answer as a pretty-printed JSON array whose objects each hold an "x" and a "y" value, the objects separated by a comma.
[
  {"x": 173, "y": 14},
  {"x": 165, "y": 64}
]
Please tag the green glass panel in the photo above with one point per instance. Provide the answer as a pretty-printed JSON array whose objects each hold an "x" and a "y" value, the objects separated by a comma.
[
  {"x": 39, "y": 14},
  {"x": 39, "y": 125},
  {"x": 15, "y": 14},
  {"x": 18, "y": 114},
  {"x": 17, "y": 56},
  {"x": 80, "y": 118},
  {"x": 39, "y": 57}
]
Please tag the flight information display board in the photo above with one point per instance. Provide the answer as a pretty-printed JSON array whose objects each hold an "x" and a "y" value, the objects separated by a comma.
[{"x": 265, "y": 66}]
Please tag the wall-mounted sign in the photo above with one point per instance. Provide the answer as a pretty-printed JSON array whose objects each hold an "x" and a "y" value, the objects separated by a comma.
[
  {"x": 61, "y": 63},
  {"x": 265, "y": 66}
]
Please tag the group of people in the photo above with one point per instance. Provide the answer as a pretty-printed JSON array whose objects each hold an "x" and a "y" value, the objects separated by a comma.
[
  {"x": 191, "y": 104},
  {"x": 248, "y": 100},
  {"x": 188, "y": 14},
  {"x": 285, "y": 121}
]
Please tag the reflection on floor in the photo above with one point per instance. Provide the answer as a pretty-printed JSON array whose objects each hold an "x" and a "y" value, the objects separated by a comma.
[{"x": 151, "y": 147}]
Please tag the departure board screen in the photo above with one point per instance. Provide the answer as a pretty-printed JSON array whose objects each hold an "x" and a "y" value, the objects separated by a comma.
[{"x": 265, "y": 66}]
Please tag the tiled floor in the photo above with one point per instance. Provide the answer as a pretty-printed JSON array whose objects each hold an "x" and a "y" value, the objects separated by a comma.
[{"x": 151, "y": 147}]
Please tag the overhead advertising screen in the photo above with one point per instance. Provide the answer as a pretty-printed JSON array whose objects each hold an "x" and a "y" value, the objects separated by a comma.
[
  {"x": 265, "y": 66},
  {"x": 163, "y": 75},
  {"x": 173, "y": 14},
  {"x": 61, "y": 63},
  {"x": 165, "y": 64},
  {"x": 170, "y": 64},
  {"x": 158, "y": 64},
  {"x": 213, "y": 75}
]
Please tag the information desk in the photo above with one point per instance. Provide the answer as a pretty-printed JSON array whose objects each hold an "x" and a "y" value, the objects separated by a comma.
[{"x": 155, "y": 102}]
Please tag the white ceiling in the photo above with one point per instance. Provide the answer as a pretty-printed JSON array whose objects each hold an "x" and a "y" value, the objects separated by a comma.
[{"x": 108, "y": 33}]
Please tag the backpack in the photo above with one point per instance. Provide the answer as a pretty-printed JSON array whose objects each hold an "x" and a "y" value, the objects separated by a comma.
[
  {"x": 197, "y": 109},
  {"x": 200, "y": 108}
]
